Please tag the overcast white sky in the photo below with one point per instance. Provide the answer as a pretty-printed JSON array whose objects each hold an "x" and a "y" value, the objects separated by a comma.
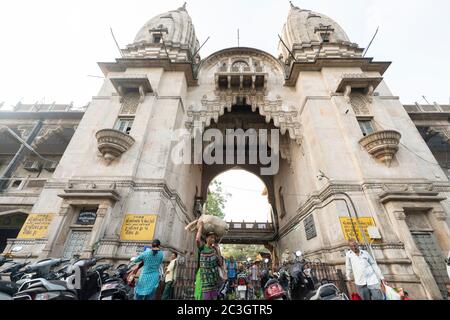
[
  {"x": 48, "y": 47},
  {"x": 246, "y": 201}
]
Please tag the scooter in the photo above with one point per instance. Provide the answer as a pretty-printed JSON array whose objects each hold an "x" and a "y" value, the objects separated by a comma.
[
  {"x": 10, "y": 285},
  {"x": 273, "y": 290},
  {"x": 327, "y": 291},
  {"x": 43, "y": 269},
  {"x": 88, "y": 282},
  {"x": 116, "y": 288},
  {"x": 242, "y": 286}
]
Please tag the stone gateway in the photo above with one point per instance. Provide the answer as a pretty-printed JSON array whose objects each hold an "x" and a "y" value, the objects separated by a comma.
[{"x": 352, "y": 159}]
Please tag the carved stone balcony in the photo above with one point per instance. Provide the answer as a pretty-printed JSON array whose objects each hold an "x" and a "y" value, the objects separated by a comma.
[
  {"x": 241, "y": 78},
  {"x": 112, "y": 143},
  {"x": 382, "y": 145}
]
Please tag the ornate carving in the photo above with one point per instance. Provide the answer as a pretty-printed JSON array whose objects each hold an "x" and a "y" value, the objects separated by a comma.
[
  {"x": 382, "y": 145},
  {"x": 359, "y": 104},
  {"x": 24, "y": 131},
  {"x": 286, "y": 120},
  {"x": 130, "y": 102},
  {"x": 112, "y": 143},
  {"x": 400, "y": 215},
  {"x": 47, "y": 133}
]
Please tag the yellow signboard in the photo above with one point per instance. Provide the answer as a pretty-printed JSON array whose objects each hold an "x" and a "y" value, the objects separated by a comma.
[
  {"x": 36, "y": 226},
  {"x": 138, "y": 227},
  {"x": 349, "y": 231}
]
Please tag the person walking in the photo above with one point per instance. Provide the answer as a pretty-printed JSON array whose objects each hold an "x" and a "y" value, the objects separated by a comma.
[
  {"x": 148, "y": 281},
  {"x": 170, "y": 277},
  {"x": 232, "y": 270},
  {"x": 366, "y": 273},
  {"x": 210, "y": 259},
  {"x": 255, "y": 277}
]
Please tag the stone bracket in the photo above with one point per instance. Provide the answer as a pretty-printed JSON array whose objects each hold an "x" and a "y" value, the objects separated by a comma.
[
  {"x": 352, "y": 81},
  {"x": 139, "y": 83}
]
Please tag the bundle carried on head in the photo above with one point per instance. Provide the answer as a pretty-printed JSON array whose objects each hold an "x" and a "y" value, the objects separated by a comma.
[{"x": 210, "y": 224}]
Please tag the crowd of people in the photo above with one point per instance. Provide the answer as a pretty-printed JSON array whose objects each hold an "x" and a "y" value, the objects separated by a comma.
[{"x": 362, "y": 272}]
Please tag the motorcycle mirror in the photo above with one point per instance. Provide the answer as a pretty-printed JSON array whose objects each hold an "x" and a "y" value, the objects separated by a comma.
[{"x": 298, "y": 253}]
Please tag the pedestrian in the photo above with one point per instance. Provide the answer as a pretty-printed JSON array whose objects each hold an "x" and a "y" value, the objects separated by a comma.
[
  {"x": 255, "y": 276},
  {"x": 170, "y": 278},
  {"x": 367, "y": 275},
  {"x": 308, "y": 274},
  {"x": 149, "y": 279},
  {"x": 232, "y": 270},
  {"x": 403, "y": 294},
  {"x": 210, "y": 259}
]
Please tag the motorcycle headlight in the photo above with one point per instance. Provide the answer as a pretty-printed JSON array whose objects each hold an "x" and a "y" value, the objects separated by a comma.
[{"x": 46, "y": 296}]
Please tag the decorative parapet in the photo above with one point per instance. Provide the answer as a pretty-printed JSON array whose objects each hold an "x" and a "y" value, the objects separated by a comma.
[
  {"x": 132, "y": 83},
  {"x": 358, "y": 81},
  {"x": 382, "y": 145},
  {"x": 112, "y": 143}
]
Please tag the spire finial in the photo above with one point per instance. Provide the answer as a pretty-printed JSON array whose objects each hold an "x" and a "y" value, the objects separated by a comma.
[
  {"x": 183, "y": 7},
  {"x": 293, "y": 6}
]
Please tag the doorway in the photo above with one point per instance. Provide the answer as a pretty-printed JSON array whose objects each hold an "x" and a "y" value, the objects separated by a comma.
[{"x": 427, "y": 244}]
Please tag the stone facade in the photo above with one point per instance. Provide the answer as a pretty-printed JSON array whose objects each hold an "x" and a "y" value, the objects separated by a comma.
[{"x": 323, "y": 96}]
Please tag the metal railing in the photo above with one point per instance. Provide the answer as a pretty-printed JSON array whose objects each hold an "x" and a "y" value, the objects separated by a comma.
[{"x": 244, "y": 225}]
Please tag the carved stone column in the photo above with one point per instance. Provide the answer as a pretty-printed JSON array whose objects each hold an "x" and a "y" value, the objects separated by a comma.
[
  {"x": 438, "y": 220},
  {"x": 60, "y": 220},
  {"x": 419, "y": 264}
]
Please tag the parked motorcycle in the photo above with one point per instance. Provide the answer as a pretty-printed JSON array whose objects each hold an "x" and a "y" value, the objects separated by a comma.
[
  {"x": 11, "y": 274},
  {"x": 327, "y": 291},
  {"x": 89, "y": 278},
  {"x": 43, "y": 269},
  {"x": 273, "y": 290},
  {"x": 242, "y": 286},
  {"x": 116, "y": 287}
]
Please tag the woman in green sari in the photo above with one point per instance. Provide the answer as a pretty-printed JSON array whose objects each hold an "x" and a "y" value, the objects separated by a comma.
[{"x": 207, "y": 277}]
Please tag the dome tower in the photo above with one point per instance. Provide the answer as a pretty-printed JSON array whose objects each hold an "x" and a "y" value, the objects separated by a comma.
[
  {"x": 309, "y": 35},
  {"x": 170, "y": 34}
]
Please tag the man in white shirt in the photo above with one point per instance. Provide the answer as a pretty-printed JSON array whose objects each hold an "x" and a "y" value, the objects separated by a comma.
[
  {"x": 367, "y": 275},
  {"x": 170, "y": 277}
]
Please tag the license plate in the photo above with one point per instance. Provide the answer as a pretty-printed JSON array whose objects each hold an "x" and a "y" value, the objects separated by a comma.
[
  {"x": 107, "y": 298},
  {"x": 242, "y": 288}
]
